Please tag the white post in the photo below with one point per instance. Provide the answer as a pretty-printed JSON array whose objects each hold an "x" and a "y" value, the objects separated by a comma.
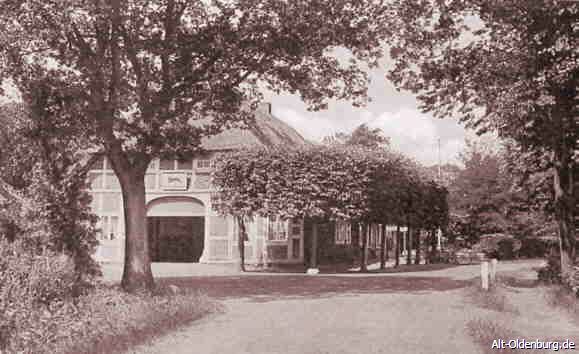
[
  {"x": 439, "y": 239},
  {"x": 493, "y": 275},
  {"x": 484, "y": 275}
]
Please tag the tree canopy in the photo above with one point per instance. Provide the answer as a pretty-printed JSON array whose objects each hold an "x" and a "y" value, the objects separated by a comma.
[
  {"x": 361, "y": 136},
  {"x": 150, "y": 78},
  {"x": 336, "y": 182},
  {"x": 511, "y": 67}
]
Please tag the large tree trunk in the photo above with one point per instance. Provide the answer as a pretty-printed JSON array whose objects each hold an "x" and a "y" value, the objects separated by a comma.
[
  {"x": 137, "y": 273},
  {"x": 397, "y": 247},
  {"x": 364, "y": 262},
  {"x": 417, "y": 259},
  {"x": 383, "y": 250},
  {"x": 564, "y": 209}
]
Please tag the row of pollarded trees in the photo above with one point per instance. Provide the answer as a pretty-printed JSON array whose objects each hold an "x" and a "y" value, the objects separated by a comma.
[{"x": 323, "y": 183}]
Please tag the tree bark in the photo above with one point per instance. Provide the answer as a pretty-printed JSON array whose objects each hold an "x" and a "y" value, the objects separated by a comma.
[
  {"x": 137, "y": 273},
  {"x": 314, "y": 247},
  {"x": 241, "y": 237},
  {"x": 417, "y": 259},
  {"x": 433, "y": 245},
  {"x": 364, "y": 262},
  {"x": 355, "y": 235},
  {"x": 564, "y": 209},
  {"x": 409, "y": 246},
  {"x": 397, "y": 247},
  {"x": 383, "y": 250}
]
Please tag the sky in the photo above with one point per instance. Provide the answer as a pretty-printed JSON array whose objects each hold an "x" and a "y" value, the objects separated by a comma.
[{"x": 395, "y": 112}]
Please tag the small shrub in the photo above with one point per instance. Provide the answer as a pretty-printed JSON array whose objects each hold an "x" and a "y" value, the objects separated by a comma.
[
  {"x": 485, "y": 331},
  {"x": 562, "y": 298},
  {"x": 505, "y": 249},
  {"x": 551, "y": 273},
  {"x": 31, "y": 287},
  {"x": 532, "y": 248},
  {"x": 493, "y": 299}
]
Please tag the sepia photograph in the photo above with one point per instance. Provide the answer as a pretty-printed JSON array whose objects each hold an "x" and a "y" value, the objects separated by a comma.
[{"x": 289, "y": 176}]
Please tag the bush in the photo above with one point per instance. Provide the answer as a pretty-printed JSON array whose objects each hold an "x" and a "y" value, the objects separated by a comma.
[
  {"x": 533, "y": 248},
  {"x": 551, "y": 273},
  {"x": 32, "y": 285},
  {"x": 505, "y": 249},
  {"x": 46, "y": 308}
]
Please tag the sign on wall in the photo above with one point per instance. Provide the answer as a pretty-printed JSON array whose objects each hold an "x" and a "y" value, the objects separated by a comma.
[{"x": 174, "y": 181}]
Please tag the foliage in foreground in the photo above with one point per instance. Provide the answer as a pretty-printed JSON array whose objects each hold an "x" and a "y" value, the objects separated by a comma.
[
  {"x": 43, "y": 308},
  {"x": 47, "y": 162},
  {"x": 561, "y": 298},
  {"x": 152, "y": 78},
  {"x": 477, "y": 61}
]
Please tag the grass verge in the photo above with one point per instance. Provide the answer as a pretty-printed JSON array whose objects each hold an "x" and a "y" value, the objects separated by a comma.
[
  {"x": 493, "y": 299},
  {"x": 563, "y": 299},
  {"x": 484, "y": 332},
  {"x": 108, "y": 320}
]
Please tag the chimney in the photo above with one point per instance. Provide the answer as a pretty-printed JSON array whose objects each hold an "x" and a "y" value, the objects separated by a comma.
[{"x": 265, "y": 107}]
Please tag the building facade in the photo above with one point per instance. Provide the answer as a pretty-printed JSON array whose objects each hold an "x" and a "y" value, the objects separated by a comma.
[{"x": 181, "y": 223}]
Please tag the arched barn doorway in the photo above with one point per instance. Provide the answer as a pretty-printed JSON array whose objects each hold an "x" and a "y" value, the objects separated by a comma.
[{"x": 176, "y": 229}]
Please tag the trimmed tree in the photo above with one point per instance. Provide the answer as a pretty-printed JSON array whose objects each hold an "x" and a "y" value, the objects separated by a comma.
[
  {"x": 337, "y": 183},
  {"x": 319, "y": 183}
]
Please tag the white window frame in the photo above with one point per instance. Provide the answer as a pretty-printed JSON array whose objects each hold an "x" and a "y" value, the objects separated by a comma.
[
  {"x": 343, "y": 233},
  {"x": 279, "y": 225}
]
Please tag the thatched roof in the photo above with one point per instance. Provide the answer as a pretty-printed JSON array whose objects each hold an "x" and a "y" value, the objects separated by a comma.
[{"x": 266, "y": 131}]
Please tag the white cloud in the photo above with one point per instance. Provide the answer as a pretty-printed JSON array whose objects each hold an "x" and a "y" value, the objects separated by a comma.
[
  {"x": 411, "y": 132},
  {"x": 416, "y": 135}
]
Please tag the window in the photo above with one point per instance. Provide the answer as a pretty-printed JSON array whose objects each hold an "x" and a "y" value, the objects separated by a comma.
[
  {"x": 108, "y": 227},
  {"x": 204, "y": 163},
  {"x": 343, "y": 234},
  {"x": 296, "y": 227},
  {"x": 277, "y": 229}
]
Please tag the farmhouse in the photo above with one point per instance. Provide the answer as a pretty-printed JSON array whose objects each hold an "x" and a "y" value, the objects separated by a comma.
[{"x": 182, "y": 227}]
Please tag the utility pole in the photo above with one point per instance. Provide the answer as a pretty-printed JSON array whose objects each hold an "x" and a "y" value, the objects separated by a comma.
[
  {"x": 439, "y": 231},
  {"x": 439, "y": 167}
]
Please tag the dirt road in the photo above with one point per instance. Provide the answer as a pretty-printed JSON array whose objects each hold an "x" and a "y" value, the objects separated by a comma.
[{"x": 424, "y": 312}]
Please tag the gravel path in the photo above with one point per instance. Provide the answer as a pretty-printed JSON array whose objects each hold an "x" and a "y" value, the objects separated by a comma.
[
  {"x": 368, "y": 323},
  {"x": 419, "y": 312}
]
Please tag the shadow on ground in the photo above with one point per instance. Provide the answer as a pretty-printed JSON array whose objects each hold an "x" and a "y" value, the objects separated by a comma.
[
  {"x": 351, "y": 269},
  {"x": 267, "y": 288}
]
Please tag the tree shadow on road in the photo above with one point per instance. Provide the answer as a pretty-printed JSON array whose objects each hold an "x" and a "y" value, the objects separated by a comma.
[{"x": 270, "y": 288}]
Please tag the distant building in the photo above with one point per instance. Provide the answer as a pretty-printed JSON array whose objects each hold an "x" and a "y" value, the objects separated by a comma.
[{"x": 181, "y": 224}]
